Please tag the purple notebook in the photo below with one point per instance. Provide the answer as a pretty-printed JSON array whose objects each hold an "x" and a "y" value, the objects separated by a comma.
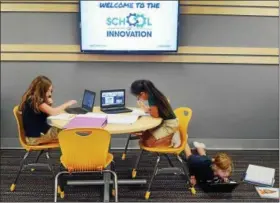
[{"x": 86, "y": 122}]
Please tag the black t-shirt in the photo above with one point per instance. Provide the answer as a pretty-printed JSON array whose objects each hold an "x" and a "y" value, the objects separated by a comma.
[
  {"x": 34, "y": 123},
  {"x": 200, "y": 167}
]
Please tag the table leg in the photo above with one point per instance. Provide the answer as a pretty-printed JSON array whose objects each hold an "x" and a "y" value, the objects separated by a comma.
[{"x": 107, "y": 180}]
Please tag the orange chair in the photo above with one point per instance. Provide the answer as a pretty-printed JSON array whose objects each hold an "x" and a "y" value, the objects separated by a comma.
[
  {"x": 85, "y": 151},
  {"x": 184, "y": 115},
  {"x": 41, "y": 148}
]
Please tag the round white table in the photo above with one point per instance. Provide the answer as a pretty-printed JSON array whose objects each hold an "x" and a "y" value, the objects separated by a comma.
[{"x": 142, "y": 124}]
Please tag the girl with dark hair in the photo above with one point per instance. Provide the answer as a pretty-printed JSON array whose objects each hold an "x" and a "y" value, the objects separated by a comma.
[{"x": 159, "y": 107}]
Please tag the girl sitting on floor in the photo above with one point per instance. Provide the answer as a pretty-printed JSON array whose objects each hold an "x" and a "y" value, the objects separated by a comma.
[{"x": 203, "y": 169}]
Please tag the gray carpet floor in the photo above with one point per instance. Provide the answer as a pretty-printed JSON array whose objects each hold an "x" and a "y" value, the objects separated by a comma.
[{"x": 38, "y": 186}]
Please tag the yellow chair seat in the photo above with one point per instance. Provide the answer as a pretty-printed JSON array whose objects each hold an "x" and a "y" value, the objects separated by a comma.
[
  {"x": 41, "y": 147},
  {"x": 165, "y": 150},
  {"x": 109, "y": 159}
]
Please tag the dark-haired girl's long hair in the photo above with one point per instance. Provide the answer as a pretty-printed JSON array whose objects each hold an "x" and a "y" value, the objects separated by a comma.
[{"x": 147, "y": 86}]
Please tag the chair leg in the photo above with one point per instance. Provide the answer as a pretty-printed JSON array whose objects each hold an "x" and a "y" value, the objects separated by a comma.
[
  {"x": 134, "y": 170},
  {"x": 37, "y": 158},
  {"x": 56, "y": 180},
  {"x": 50, "y": 162},
  {"x": 169, "y": 160},
  {"x": 13, "y": 186},
  {"x": 184, "y": 168},
  {"x": 148, "y": 193},
  {"x": 113, "y": 168},
  {"x": 56, "y": 187},
  {"x": 126, "y": 146},
  {"x": 115, "y": 186},
  {"x": 61, "y": 182},
  {"x": 191, "y": 187},
  {"x": 61, "y": 185}
]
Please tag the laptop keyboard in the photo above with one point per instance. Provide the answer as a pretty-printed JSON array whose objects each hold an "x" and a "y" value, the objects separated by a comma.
[
  {"x": 76, "y": 111},
  {"x": 115, "y": 111}
]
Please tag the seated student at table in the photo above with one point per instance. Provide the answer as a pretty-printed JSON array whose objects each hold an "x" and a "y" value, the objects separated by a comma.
[
  {"x": 36, "y": 106},
  {"x": 159, "y": 107},
  {"x": 204, "y": 169}
]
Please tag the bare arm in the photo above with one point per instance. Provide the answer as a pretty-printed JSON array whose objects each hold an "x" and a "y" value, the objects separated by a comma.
[
  {"x": 154, "y": 111},
  {"x": 52, "y": 111}
]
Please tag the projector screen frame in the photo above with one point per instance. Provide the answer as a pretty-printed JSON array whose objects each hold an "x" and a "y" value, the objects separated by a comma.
[{"x": 128, "y": 52}]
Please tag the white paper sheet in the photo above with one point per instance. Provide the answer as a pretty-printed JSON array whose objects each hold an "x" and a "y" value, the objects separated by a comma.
[
  {"x": 93, "y": 115},
  {"x": 121, "y": 119},
  {"x": 139, "y": 112},
  {"x": 63, "y": 116}
]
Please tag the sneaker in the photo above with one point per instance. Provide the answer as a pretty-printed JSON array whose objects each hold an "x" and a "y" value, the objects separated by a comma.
[{"x": 199, "y": 145}]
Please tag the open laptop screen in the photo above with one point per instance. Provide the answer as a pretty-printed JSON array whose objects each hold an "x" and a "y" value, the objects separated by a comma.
[
  {"x": 88, "y": 100},
  {"x": 112, "y": 98}
]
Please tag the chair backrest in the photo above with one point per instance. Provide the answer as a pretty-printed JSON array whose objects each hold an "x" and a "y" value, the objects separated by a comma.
[
  {"x": 21, "y": 133},
  {"x": 84, "y": 149},
  {"x": 184, "y": 114}
]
